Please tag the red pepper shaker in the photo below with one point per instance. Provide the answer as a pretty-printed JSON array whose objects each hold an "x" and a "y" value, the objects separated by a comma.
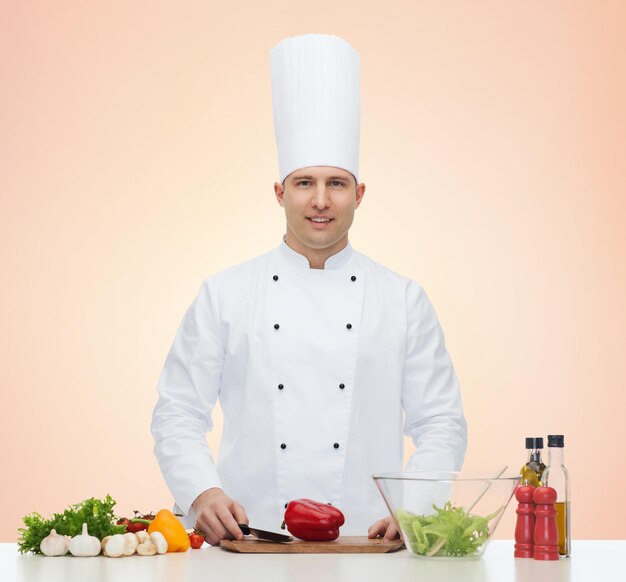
[
  {"x": 525, "y": 526},
  {"x": 546, "y": 532}
]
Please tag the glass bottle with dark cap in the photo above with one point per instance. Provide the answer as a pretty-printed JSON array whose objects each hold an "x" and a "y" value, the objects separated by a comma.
[
  {"x": 557, "y": 477},
  {"x": 532, "y": 471}
]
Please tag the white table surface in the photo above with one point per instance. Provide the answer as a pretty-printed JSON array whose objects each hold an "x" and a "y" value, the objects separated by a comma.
[{"x": 591, "y": 561}]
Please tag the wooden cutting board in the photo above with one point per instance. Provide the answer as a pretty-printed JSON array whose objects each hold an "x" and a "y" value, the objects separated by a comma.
[{"x": 342, "y": 545}]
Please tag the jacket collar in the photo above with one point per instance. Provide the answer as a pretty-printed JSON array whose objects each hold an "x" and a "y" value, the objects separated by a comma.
[{"x": 335, "y": 262}]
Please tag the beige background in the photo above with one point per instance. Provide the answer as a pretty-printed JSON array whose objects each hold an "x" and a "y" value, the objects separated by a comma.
[{"x": 137, "y": 157}]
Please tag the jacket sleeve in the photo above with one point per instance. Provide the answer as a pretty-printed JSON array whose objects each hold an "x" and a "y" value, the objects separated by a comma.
[
  {"x": 431, "y": 397},
  {"x": 188, "y": 389}
]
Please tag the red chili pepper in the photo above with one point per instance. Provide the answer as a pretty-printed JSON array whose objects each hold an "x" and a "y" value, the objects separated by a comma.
[
  {"x": 196, "y": 539},
  {"x": 313, "y": 521}
]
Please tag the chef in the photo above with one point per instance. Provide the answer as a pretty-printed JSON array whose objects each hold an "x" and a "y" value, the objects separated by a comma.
[{"x": 320, "y": 357}]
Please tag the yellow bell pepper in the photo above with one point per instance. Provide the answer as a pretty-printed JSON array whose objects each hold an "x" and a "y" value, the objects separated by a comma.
[{"x": 172, "y": 529}]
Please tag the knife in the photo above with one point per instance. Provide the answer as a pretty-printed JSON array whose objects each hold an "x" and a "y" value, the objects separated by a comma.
[{"x": 264, "y": 535}]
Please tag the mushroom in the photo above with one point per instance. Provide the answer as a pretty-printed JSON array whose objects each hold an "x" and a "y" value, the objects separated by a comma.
[
  {"x": 142, "y": 536},
  {"x": 131, "y": 543},
  {"x": 146, "y": 549},
  {"x": 158, "y": 539},
  {"x": 114, "y": 546}
]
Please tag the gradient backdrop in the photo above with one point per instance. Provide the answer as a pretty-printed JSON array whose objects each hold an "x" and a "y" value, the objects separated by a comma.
[{"x": 137, "y": 157}]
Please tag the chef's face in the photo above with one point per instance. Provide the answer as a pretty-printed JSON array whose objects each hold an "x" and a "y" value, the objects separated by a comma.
[{"x": 319, "y": 203}]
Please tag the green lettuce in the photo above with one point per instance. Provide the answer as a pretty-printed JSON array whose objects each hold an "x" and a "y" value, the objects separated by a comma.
[{"x": 450, "y": 531}]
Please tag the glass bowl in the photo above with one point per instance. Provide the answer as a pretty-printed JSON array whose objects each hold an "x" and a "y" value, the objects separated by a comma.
[{"x": 446, "y": 514}]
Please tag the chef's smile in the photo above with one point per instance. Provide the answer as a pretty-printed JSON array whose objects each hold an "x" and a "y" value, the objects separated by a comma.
[{"x": 319, "y": 222}]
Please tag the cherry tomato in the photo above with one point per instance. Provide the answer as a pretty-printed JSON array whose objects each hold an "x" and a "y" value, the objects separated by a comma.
[{"x": 196, "y": 539}]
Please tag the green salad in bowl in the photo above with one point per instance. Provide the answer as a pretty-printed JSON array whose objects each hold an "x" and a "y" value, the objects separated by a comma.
[{"x": 446, "y": 514}]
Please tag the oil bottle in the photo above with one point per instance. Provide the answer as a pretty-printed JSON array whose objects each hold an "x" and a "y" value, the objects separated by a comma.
[
  {"x": 532, "y": 471},
  {"x": 557, "y": 477}
]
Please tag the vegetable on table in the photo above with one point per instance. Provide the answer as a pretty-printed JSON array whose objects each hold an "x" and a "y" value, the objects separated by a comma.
[
  {"x": 137, "y": 523},
  {"x": 313, "y": 521},
  {"x": 54, "y": 544},
  {"x": 127, "y": 544},
  {"x": 158, "y": 539},
  {"x": 80, "y": 528},
  {"x": 84, "y": 545},
  {"x": 172, "y": 529},
  {"x": 114, "y": 546},
  {"x": 451, "y": 531},
  {"x": 146, "y": 548},
  {"x": 196, "y": 539},
  {"x": 96, "y": 513},
  {"x": 131, "y": 543},
  {"x": 142, "y": 536}
]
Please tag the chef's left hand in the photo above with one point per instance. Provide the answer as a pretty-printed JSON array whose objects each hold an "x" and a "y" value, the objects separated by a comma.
[{"x": 386, "y": 528}]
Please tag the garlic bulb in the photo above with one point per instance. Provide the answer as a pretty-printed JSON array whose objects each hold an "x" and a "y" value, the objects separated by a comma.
[
  {"x": 84, "y": 544},
  {"x": 54, "y": 544}
]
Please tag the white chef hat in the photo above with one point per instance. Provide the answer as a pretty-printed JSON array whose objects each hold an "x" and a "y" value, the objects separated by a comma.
[{"x": 316, "y": 102}]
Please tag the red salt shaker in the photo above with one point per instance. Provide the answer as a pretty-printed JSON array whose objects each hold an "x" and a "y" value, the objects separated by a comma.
[
  {"x": 525, "y": 526},
  {"x": 546, "y": 532}
]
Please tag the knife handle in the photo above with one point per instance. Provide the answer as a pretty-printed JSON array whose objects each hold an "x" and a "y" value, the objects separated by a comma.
[{"x": 244, "y": 528}]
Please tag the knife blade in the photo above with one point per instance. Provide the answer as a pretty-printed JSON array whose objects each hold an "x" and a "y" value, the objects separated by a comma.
[{"x": 264, "y": 535}]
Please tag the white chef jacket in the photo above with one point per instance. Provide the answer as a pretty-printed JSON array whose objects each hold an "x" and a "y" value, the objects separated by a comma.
[{"x": 319, "y": 372}]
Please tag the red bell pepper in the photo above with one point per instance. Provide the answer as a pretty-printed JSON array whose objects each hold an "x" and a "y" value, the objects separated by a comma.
[
  {"x": 313, "y": 521},
  {"x": 137, "y": 523}
]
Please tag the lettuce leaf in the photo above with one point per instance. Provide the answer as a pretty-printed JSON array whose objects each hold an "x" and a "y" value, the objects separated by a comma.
[{"x": 450, "y": 531}]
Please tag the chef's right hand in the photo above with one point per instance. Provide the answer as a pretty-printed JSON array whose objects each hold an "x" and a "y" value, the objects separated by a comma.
[{"x": 217, "y": 515}]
